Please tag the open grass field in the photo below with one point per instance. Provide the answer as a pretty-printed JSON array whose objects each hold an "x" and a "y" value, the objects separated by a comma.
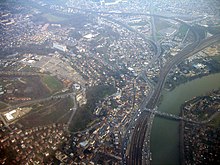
[
  {"x": 161, "y": 24},
  {"x": 216, "y": 58},
  {"x": 183, "y": 30},
  {"x": 216, "y": 121},
  {"x": 52, "y": 83},
  {"x": 53, "y": 18}
]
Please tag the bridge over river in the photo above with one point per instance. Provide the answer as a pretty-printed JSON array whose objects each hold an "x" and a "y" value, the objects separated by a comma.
[{"x": 170, "y": 116}]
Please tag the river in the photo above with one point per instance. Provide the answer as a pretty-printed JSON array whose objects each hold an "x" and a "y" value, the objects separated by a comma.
[{"x": 165, "y": 133}]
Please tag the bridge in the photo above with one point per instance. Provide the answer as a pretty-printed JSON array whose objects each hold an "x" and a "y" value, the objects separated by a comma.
[{"x": 169, "y": 116}]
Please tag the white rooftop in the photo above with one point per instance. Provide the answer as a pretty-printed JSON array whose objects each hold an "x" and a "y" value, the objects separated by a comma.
[
  {"x": 88, "y": 36},
  {"x": 9, "y": 115}
]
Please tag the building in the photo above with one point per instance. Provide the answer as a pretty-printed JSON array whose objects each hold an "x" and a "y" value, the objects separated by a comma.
[
  {"x": 81, "y": 97},
  {"x": 60, "y": 47},
  {"x": 9, "y": 116}
]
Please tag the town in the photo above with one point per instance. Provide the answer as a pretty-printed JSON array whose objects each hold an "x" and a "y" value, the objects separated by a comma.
[{"x": 77, "y": 77}]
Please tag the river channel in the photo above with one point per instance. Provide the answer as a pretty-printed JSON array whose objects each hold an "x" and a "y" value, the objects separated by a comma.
[{"x": 165, "y": 133}]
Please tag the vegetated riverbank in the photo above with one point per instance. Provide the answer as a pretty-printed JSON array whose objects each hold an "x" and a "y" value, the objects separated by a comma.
[{"x": 211, "y": 66}]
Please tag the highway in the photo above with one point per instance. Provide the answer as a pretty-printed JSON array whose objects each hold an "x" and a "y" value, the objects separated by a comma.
[
  {"x": 139, "y": 140},
  {"x": 186, "y": 52},
  {"x": 143, "y": 125},
  {"x": 17, "y": 73}
]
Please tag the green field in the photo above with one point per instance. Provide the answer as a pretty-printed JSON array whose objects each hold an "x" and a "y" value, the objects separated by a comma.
[
  {"x": 216, "y": 58},
  {"x": 213, "y": 29},
  {"x": 141, "y": 23},
  {"x": 52, "y": 83},
  {"x": 53, "y": 18},
  {"x": 161, "y": 24},
  {"x": 216, "y": 121},
  {"x": 183, "y": 30}
]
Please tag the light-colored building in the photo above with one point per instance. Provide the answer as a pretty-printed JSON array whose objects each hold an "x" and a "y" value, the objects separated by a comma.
[
  {"x": 60, "y": 47},
  {"x": 81, "y": 97},
  {"x": 9, "y": 116}
]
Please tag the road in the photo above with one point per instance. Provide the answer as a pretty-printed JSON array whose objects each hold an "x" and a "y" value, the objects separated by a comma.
[
  {"x": 137, "y": 141},
  {"x": 17, "y": 73},
  {"x": 171, "y": 116},
  {"x": 186, "y": 52},
  {"x": 73, "y": 109}
]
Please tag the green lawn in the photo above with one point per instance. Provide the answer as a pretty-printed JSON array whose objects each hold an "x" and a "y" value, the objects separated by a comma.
[
  {"x": 161, "y": 24},
  {"x": 214, "y": 29},
  {"x": 53, "y": 18},
  {"x": 183, "y": 29},
  {"x": 141, "y": 23},
  {"x": 216, "y": 58},
  {"x": 52, "y": 83},
  {"x": 216, "y": 121}
]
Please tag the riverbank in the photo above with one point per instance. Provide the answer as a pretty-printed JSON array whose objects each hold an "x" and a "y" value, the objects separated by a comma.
[
  {"x": 191, "y": 70},
  {"x": 188, "y": 80}
]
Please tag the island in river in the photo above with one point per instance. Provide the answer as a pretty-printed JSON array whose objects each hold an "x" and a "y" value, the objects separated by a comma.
[{"x": 200, "y": 143}]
